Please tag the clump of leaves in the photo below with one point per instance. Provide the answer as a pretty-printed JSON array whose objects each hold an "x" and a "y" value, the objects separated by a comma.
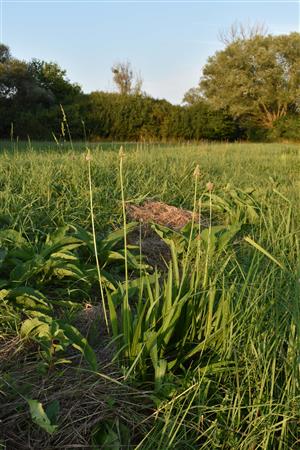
[
  {"x": 169, "y": 323},
  {"x": 235, "y": 205},
  {"x": 65, "y": 254},
  {"x": 54, "y": 337}
]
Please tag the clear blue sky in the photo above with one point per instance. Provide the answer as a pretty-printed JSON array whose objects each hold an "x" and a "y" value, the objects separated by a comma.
[{"x": 168, "y": 42}]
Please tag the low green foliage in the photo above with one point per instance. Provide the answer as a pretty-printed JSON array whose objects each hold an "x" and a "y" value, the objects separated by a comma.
[
  {"x": 109, "y": 434},
  {"x": 54, "y": 337},
  {"x": 28, "y": 268},
  {"x": 43, "y": 418}
]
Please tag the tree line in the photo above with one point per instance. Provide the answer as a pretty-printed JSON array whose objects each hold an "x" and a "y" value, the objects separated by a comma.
[{"x": 249, "y": 90}]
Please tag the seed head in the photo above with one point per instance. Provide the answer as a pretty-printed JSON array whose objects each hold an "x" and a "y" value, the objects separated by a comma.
[
  {"x": 63, "y": 113},
  {"x": 209, "y": 186},
  {"x": 62, "y": 127},
  {"x": 197, "y": 171},
  {"x": 88, "y": 156},
  {"x": 121, "y": 152}
]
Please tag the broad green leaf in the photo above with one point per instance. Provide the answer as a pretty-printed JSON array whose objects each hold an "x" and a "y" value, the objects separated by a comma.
[
  {"x": 34, "y": 326},
  {"x": 3, "y": 293},
  {"x": 57, "y": 235},
  {"x": 22, "y": 272},
  {"x": 39, "y": 416},
  {"x": 52, "y": 411},
  {"x": 69, "y": 270},
  {"x": 30, "y": 299},
  {"x": 67, "y": 255},
  {"x": 80, "y": 343}
]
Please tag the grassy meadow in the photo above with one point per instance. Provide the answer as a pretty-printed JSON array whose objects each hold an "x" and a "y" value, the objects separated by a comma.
[{"x": 100, "y": 350}]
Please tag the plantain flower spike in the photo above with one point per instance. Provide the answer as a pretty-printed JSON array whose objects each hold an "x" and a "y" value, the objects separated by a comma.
[
  {"x": 88, "y": 156},
  {"x": 197, "y": 171},
  {"x": 121, "y": 152},
  {"x": 209, "y": 186}
]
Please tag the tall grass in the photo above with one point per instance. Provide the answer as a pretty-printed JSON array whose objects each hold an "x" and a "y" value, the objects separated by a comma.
[
  {"x": 226, "y": 343},
  {"x": 48, "y": 186},
  {"x": 216, "y": 339}
]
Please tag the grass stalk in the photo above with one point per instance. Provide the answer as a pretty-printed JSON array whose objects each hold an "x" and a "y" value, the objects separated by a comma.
[
  {"x": 88, "y": 159},
  {"x": 126, "y": 306}
]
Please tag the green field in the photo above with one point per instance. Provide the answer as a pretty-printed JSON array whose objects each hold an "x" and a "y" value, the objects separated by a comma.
[{"x": 202, "y": 354}]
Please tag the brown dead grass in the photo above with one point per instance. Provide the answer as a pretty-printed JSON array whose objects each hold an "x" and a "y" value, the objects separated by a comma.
[
  {"x": 86, "y": 399},
  {"x": 9, "y": 347},
  {"x": 154, "y": 249},
  {"x": 160, "y": 213}
]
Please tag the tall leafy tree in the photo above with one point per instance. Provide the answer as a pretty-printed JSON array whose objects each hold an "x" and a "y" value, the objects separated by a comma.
[
  {"x": 126, "y": 81},
  {"x": 256, "y": 78},
  {"x": 53, "y": 79},
  {"x": 31, "y": 94},
  {"x": 4, "y": 53},
  {"x": 193, "y": 96},
  {"x": 15, "y": 80}
]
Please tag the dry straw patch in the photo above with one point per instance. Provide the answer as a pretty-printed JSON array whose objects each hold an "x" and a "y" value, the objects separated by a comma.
[
  {"x": 154, "y": 249},
  {"x": 86, "y": 399},
  {"x": 160, "y": 213}
]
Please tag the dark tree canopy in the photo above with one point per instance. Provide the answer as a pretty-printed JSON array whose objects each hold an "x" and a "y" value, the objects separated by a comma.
[
  {"x": 53, "y": 79},
  {"x": 31, "y": 94},
  {"x": 249, "y": 90},
  {"x": 4, "y": 53}
]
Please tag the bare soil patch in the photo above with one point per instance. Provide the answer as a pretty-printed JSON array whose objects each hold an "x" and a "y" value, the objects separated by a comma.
[{"x": 154, "y": 249}]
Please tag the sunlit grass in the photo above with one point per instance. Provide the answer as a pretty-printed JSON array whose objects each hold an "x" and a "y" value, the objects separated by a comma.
[{"x": 216, "y": 338}]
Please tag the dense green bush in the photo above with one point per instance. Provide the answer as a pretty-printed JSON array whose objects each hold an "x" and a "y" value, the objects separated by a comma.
[
  {"x": 287, "y": 127},
  {"x": 38, "y": 101},
  {"x": 125, "y": 117}
]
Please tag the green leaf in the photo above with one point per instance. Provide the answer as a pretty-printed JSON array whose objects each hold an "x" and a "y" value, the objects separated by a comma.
[
  {"x": 29, "y": 299},
  {"x": 112, "y": 314},
  {"x": 69, "y": 270},
  {"x": 118, "y": 235},
  {"x": 64, "y": 255},
  {"x": 35, "y": 326},
  {"x": 80, "y": 343},
  {"x": 52, "y": 411},
  {"x": 263, "y": 251},
  {"x": 57, "y": 235},
  {"x": 226, "y": 235},
  {"x": 22, "y": 272},
  {"x": 105, "y": 437},
  {"x": 3, "y": 253},
  {"x": 13, "y": 237},
  {"x": 39, "y": 416},
  {"x": 3, "y": 293},
  {"x": 160, "y": 372}
]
